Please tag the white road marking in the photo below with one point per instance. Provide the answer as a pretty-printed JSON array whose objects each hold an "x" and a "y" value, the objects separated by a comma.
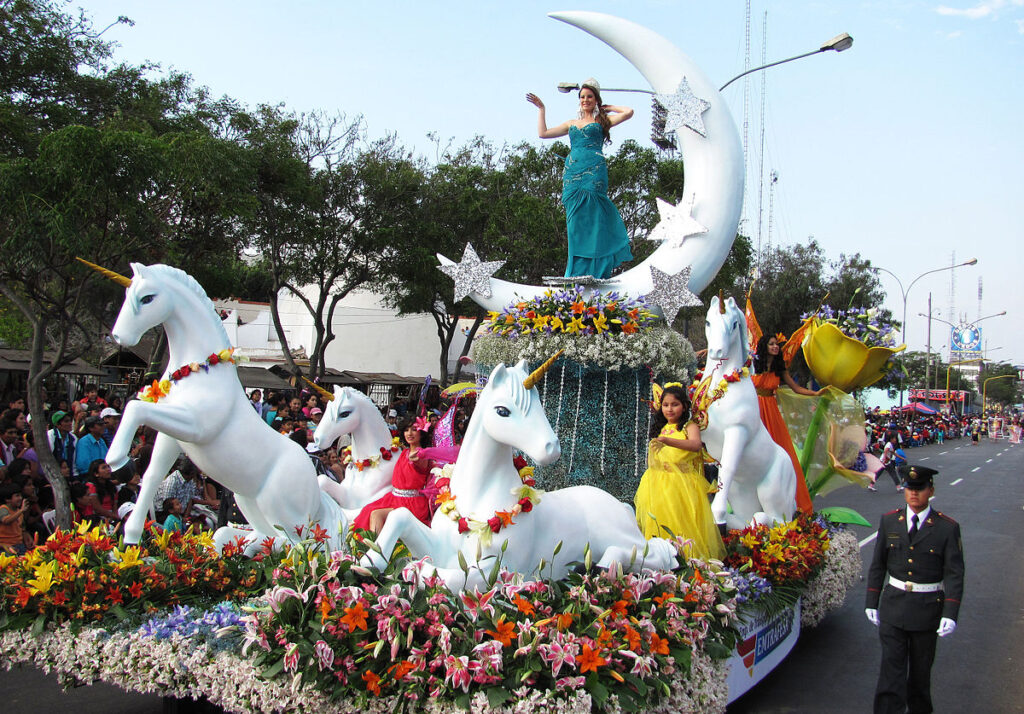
[
  {"x": 976, "y": 468},
  {"x": 956, "y": 482},
  {"x": 943, "y": 453},
  {"x": 924, "y": 458},
  {"x": 988, "y": 461},
  {"x": 869, "y": 539},
  {"x": 956, "y": 448}
]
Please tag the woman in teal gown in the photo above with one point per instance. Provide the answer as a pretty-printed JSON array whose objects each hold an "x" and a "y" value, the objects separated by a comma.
[{"x": 598, "y": 241}]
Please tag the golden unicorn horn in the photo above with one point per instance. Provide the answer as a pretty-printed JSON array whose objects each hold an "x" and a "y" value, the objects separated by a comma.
[
  {"x": 116, "y": 277},
  {"x": 721, "y": 302},
  {"x": 532, "y": 380},
  {"x": 320, "y": 390}
]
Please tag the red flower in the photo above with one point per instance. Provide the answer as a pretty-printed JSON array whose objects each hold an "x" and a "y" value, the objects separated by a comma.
[
  {"x": 298, "y": 531},
  {"x": 519, "y": 462},
  {"x": 320, "y": 535},
  {"x": 24, "y": 595},
  {"x": 59, "y": 598},
  {"x": 114, "y": 595},
  {"x": 494, "y": 523},
  {"x": 372, "y": 682},
  {"x": 213, "y": 359},
  {"x": 442, "y": 483},
  {"x": 176, "y": 375},
  {"x": 463, "y": 525},
  {"x": 185, "y": 370},
  {"x": 135, "y": 590},
  {"x": 385, "y": 453},
  {"x": 526, "y": 504}
]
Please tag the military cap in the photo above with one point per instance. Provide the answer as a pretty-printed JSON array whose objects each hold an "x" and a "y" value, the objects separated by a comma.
[{"x": 917, "y": 477}]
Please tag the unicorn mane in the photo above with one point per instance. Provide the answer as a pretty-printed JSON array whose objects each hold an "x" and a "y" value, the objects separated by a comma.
[{"x": 167, "y": 272}]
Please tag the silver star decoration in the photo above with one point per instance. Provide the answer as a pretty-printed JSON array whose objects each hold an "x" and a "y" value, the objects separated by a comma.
[
  {"x": 676, "y": 225},
  {"x": 471, "y": 274},
  {"x": 684, "y": 109},
  {"x": 671, "y": 293}
]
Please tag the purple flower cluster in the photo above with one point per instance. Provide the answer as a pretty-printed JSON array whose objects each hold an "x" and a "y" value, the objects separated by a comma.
[
  {"x": 749, "y": 587},
  {"x": 862, "y": 324},
  {"x": 186, "y": 622}
]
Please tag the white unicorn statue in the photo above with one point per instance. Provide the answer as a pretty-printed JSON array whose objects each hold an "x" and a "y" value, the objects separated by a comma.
[
  {"x": 487, "y": 509},
  {"x": 201, "y": 409},
  {"x": 368, "y": 475},
  {"x": 756, "y": 477}
]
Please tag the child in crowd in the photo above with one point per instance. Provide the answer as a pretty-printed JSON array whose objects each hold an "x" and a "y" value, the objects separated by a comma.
[
  {"x": 13, "y": 536},
  {"x": 172, "y": 507}
]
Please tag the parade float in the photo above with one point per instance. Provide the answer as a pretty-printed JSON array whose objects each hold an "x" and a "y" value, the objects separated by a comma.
[{"x": 514, "y": 598}]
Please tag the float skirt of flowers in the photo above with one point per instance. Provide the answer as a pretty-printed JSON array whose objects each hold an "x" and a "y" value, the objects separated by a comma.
[{"x": 330, "y": 635}]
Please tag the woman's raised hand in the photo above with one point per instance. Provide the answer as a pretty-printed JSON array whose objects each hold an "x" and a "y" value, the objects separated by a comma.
[{"x": 534, "y": 100}]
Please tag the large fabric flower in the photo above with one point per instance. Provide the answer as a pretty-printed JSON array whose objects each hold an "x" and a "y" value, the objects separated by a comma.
[{"x": 843, "y": 362}]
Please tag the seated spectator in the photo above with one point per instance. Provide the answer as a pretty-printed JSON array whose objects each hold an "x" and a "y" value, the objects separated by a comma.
[
  {"x": 100, "y": 500},
  {"x": 13, "y": 536},
  {"x": 91, "y": 446},
  {"x": 172, "y": 515}
]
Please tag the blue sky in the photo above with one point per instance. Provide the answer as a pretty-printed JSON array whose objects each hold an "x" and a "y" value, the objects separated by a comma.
[{"x": 907, "y": 148}]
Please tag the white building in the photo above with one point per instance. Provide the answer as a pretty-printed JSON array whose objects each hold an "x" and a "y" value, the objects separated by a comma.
[{"x": 370, "y": 337}]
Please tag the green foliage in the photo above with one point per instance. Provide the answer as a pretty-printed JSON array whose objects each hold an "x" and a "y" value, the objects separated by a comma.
[{"x": 1004, "y": 387}]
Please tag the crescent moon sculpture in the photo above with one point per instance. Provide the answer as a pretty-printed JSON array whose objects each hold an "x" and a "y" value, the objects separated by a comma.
[{"x": 713, "y": 155}]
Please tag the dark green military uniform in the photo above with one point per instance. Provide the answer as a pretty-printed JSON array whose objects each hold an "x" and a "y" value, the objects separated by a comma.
[{"x": 909, "y": 619}]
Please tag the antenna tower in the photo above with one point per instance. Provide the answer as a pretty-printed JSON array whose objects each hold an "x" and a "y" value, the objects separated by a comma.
[
  {"x": 773, "y": 179},
  {"x": 979, "y": 297},
  {"x": 760, "y": 170},
  {"x": 952, "y": 289}
]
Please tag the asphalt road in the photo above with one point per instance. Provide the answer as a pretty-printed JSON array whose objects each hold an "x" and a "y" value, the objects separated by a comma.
[{"x": 833, "y": 667}]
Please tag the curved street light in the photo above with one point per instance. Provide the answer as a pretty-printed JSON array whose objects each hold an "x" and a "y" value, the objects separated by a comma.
[
  {"x": 905, "y": 292},
  {"x": 839, "y": 43},
  {"x": 984, "y": 389}
]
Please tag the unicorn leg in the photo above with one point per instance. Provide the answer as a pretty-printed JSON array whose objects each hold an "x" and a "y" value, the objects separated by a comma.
[
  {"x": 734, "y": 439},
  {"x": 777, "y": 492},
  {"x": 165, "y": 451},
  {"x": 176, "y": 422}
]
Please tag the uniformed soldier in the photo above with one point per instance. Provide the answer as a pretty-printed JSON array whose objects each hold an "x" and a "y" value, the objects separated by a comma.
[{"x": 918, "y": 574}]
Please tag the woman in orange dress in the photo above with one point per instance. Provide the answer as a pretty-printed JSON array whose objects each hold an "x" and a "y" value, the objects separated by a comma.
[{"x": 770, "y": 373}]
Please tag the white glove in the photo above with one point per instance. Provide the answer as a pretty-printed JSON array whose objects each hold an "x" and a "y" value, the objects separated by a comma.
[
  {"x": 946, "y": 627},
  {"x": 872, "y": 614}
]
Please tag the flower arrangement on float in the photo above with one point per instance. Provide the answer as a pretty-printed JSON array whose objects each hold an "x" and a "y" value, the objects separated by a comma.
[
  {"x": 609, "y": 331},
  {"x": 571, "y": 311},
  {"x": 328, "y": 634}
]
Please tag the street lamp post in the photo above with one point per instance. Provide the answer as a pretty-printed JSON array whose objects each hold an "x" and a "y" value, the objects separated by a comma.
[
  {"x": 905, "y": 292},
  {"x": 839, "y": 43},
  {"x": 970, "y": 324}
]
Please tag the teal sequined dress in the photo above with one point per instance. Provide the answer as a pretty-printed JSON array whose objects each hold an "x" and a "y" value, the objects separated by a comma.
[{"x": 597, "y": 236}]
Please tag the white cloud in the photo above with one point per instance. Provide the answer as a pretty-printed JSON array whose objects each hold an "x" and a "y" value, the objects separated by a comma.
[{"x": 986, "y": 8}]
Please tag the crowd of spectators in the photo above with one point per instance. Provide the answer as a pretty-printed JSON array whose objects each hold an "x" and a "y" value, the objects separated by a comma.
[{"x": 80, "y": 432}]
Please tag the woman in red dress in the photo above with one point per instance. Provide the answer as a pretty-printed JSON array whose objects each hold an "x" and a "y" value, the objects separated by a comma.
[
  {"x": 407, "y": 480},
  {"x": 770, "y": 373}
]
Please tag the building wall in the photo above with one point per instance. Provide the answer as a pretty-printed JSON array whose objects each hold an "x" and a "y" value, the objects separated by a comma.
[{"x": 370, "y": 336}]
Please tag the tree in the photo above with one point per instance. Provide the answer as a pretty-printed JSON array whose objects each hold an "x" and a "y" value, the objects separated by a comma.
[
  {"x": 85, "y": 194},
  {"x": 1006, "y": 389},
  {"x": 99, "y": 162}
]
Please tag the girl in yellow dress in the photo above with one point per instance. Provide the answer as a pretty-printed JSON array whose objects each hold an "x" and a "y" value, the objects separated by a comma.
[{"x": 673, "y": 495}]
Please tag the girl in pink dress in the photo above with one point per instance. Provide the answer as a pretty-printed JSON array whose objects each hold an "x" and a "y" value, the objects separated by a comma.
[{"x": 407, "y": 481}]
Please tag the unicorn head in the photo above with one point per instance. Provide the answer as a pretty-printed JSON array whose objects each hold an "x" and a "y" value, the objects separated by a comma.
[
  {"x": 347, "y": 410},
  {"x": 726, "y": 330},
  {"x": 510, "y": 412},
  {"x": 153, "y": 295}
]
